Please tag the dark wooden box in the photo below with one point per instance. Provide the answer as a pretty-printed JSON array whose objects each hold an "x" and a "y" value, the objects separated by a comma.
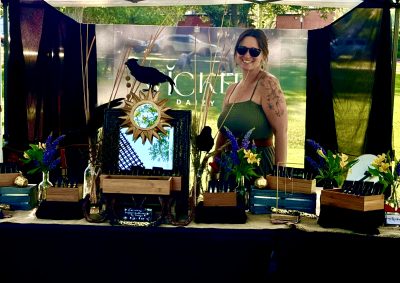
[
  {"x": 261, "y": 201},
  {"x": 18, "y": 198},
  {"x": 220, "y": 214},
  {"x": 356, "y": 220},
  {"x": 362, "y": 214}
]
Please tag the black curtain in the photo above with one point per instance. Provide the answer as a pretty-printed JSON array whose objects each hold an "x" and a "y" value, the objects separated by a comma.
[
  {"x": 349, "y": 100},
  {"x": 45, "y": 89}
]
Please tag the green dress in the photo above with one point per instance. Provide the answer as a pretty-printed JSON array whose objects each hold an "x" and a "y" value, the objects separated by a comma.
[{"x": 240, "y": 117}]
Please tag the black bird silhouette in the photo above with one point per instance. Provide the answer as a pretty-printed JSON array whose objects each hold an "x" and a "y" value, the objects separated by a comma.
[
  {"x": 204, "y": 141},
  {"x": 97, "y": 118},
  {"x": 148, "y": 75},
  {"x": 80, "y": 135}
]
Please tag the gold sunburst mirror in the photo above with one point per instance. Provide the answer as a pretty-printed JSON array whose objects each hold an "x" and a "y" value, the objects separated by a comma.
[{"x": 145, "y": 115}]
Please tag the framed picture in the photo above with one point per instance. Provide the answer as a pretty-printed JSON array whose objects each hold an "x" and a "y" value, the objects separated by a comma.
[{"x": 168, "y": 155}]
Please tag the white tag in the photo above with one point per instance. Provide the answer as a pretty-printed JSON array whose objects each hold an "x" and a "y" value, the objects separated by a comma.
[{"x": 392, "y": 218}]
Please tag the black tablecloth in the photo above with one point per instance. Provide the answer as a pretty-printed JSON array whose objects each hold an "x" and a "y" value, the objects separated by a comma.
[{"x": 230, "y": 253}]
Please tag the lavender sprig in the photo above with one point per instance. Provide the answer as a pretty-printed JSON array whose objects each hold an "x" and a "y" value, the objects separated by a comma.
[
  {"x": 232, "y": 139},
  {"x": 314, "y": 165},
  {"x": 49, "y": 156},
  {"x": 235, "y": 157},
  {"x": 315, "y": 146},
  {"x": 320, "y": 162},
  {"x": 246, "y": 139}
]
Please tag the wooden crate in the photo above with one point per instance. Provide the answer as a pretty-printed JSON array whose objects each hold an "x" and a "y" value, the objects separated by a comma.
[
  {"x": 220, "y": 199},
  {"x": 64, "y": 194},
  {"x": 261, "y": 201},
  {"x": 337, "y": 198},
  {"x": 291, "y": 185},
  {"x": 7, "y": 179},
  {"x": 18, "y": 198},
  {"x": 147, "y": 185}
]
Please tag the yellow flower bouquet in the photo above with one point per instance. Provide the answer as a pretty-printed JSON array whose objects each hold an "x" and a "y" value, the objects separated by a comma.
[
  {"x": 387, "y": 169},
  {"x": 240, "y": 161},
  {"x": 329, "y": 165},
  {"x": 44, "y": 156}
]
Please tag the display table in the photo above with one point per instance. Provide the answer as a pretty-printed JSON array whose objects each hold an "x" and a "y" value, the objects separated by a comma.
[
  {"x": 258, "y": 251},
  {"x": 254, "y": 222}
]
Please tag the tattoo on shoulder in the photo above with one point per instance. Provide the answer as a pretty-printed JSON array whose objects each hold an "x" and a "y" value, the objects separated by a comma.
[{"x": 274, "y": 95}]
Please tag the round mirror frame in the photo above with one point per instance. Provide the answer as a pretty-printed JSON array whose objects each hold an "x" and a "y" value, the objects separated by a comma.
[{"x": 132, "y": 103}]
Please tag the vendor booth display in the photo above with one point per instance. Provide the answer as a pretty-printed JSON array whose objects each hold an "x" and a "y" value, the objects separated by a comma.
[
  {"x": 124, "y": 174},
  {"x": 144, "y": 184}
]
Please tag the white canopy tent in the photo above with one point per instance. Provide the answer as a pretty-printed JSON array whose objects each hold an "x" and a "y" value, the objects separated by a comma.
[
  {"x": 116, "y": 3},
  {"x": 324, "y": 3},
  {"x": 122, "y": 3}
]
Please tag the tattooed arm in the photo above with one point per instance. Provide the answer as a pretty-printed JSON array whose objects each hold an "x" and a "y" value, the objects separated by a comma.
[{"x": 274, "y": 105}]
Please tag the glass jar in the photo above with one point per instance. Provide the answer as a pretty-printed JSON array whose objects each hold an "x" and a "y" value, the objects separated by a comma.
[
  {"x": 43, "y": 186},
  {"x": 90, "y": 177},
  {"x": 242, "y": 194},
  {"x": 93, "y": 208}
]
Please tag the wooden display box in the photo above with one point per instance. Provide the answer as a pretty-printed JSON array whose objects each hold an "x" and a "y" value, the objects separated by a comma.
[
  {"x": 291, "y": 185},
  {"x": 261, "y": 201},
  {"x": 337, "y": 198},
  {"x": 146, "y": 185},
  {"x": 220, "y": 199},
  {"x": 19, "y": 198},
  {"x": 64, "y": 194},
  {"x": 7, "y": 179}
]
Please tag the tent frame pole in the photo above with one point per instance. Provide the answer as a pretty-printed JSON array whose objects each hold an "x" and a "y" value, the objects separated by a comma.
[
  {"x": 4, "y": 87},
  {"x": 394, "y": 53}
]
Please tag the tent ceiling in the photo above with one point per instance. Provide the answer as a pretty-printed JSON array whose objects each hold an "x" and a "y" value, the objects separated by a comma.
[
  {"x": 116, "y": 3},
  {"x": 322, "y": 3}
]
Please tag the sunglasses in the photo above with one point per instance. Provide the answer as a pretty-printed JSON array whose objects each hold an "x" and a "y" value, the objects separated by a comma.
[{"x": 242, "y": 50}]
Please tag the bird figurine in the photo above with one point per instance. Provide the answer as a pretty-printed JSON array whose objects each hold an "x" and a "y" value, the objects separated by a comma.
[
  {"x": 204, "y": 141},
  {"x": 148, "y": 75},
  {"x": 97, "y": 118},
  {"x": 96, "y": 121}
]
